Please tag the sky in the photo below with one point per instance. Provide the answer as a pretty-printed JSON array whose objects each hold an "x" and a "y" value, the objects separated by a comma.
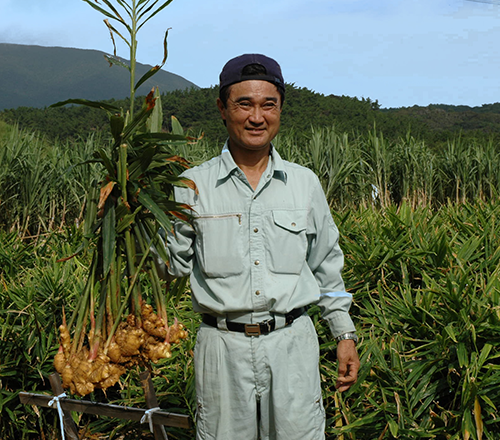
[{"x": 400, "y": 53}]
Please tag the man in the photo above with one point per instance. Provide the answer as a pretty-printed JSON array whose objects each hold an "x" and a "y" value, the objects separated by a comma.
[{"x": 263, "y": 247}]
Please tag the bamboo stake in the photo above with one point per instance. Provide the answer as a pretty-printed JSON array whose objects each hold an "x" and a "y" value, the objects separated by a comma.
[
  {"x": 152, "y": 402},
  {"x": 70, "y": 429}
]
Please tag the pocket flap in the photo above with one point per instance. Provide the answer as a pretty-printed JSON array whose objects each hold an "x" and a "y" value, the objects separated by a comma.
[{"x": 293, "y": 221}]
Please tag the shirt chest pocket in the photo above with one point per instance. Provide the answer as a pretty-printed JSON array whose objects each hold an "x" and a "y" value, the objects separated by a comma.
[
  {"x": 287, "y": 241},
  {"x": 218, "y": 246}
]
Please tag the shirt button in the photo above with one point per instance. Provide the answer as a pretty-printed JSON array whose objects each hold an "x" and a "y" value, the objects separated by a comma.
[
  {"x": 257, "y": 292},
  {"x": 256, "y": 230},
  {"x": 257, "y": 262}
]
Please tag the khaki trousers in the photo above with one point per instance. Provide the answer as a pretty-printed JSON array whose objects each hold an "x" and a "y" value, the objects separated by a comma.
[{"x": 265, "y": 387}]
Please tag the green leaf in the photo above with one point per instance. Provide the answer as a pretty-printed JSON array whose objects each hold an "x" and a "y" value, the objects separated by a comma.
[
  {"x": 177, "y": 289},
  {"x": 113, "y": 30},
  {"x": 91, "y": 211},
  {"x": 155, "y": 120},
  {"x": 117, "y": 15},
  {"x": 108, "y": 164},
  {"x": 463, "y": 359},
  {"x": 426, "y": 388},
  {"x": 141, "y": 164},
  {"x": 151, "y": 205},
  {"x": 173, "y": 180},
  {"x": 468, "y": 427},
  {"x": 108, "y": 235},
  {"x": 489, "y": 402},
  {"x": 393, "y": 427},
  {"x": 139, "y": 119},
  {"x": 484, "y": 355},
  {"x": 101, "y": 10},
  {"x": 154, "y": 13},
  {"x": 116, "y": 61},
  {"x": 158, "y": 243},
  {"x": 117, "y": 122},
  {"x": 158, "y": 137},
  {"x": 146, "y": 76},
  {"x": 127, "y": 7},
  {"x": 176, "y": 126},
  {"x": 127, "y": 220},
  {"x": 86, "y": 102},
  {"x": 451, "y": 332},
  {"x": 121, "y": 210}
]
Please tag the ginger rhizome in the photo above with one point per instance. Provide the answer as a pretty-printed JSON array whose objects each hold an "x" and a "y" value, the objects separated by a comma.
[{"x": 135, "y": 342}]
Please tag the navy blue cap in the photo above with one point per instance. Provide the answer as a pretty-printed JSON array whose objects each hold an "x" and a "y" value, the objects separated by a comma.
[{"x": 232, "y": 71}]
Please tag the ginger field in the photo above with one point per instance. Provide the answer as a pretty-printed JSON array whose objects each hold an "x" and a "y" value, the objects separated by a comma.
[{"x": 420, "y": 231}]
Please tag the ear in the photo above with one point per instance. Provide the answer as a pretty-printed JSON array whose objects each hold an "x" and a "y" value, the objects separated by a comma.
[{"x": 222, "y": 109}]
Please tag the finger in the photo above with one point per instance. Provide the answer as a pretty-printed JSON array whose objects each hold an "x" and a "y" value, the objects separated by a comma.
[
  {"x": 353, "y": 370},
  {"x": 344, "y": 383},
  {"x": 342, "y": 368},
  {"x": 348, "y": 377},
  {"x": 342, "y": 386}
]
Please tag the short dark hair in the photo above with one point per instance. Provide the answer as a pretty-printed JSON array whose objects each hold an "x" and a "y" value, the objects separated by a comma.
[{"x": 249, "y": 70}]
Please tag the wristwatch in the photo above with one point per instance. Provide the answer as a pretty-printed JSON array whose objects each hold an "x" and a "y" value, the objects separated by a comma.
[{"x": 351, "y": 335}]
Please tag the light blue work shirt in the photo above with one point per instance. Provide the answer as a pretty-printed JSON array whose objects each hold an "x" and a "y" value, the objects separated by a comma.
[{"x": 272, "y": 249}]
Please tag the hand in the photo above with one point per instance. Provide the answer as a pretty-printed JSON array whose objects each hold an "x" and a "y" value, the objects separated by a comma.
[{"x": 348, "y": 359}]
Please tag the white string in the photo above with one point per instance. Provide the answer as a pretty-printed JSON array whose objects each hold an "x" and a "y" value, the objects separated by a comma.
[
  {"x": 148, "y": 417},
  {"x": 59, "y": 410}
]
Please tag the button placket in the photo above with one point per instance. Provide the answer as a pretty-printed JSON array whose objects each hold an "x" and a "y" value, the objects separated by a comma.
[{"x": 256, "y": 255}]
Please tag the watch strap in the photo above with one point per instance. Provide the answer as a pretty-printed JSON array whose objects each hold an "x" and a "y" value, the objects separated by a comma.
[{"x": 349, "y": 335}]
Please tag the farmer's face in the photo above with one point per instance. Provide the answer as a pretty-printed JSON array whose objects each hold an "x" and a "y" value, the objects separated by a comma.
[{"x": 252, "y": 114}]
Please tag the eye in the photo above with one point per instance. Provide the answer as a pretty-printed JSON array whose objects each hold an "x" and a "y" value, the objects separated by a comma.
[{"x": 270, "y": 105}]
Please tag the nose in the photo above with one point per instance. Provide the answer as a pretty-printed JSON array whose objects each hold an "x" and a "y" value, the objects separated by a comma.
[{"x": 256, "y": 115}]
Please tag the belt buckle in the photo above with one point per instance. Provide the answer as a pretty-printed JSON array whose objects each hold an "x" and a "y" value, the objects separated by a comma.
[{"x": 252, "y": 329}]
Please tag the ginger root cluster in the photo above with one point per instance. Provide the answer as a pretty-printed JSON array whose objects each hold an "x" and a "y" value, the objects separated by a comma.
[{"x": 135, "y": 342}]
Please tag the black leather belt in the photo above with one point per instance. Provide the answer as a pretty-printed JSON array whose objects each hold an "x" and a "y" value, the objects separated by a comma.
[{"x": 261, "y": 328}]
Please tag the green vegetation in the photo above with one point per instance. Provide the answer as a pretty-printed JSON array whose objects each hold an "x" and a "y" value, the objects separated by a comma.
[
  {"x": 34, "y": 289},
  {"x": 427, "y": 299},
  {"x": 121, "y": 320},
  {"x": 43, "y": 184},
  {"x": 424, "y": 272},
  {"x": 427, "y": 292},
  {"x": 435, "y": 125}
]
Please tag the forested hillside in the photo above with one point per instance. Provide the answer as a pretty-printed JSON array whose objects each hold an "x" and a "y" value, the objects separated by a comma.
[
  {"x": 36, "y": 76},
  {"x": 197, "y": 112},
  {"x": 443, "y": 120}
]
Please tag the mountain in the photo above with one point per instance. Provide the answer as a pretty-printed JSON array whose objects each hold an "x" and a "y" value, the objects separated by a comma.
[{"x": 36, "y": 76}]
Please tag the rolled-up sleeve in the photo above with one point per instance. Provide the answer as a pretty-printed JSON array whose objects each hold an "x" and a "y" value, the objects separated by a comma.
[{"x": 326, "y": 261}]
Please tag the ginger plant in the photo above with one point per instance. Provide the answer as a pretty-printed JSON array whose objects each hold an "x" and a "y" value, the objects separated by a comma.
[{"x": 114, "y": 325}]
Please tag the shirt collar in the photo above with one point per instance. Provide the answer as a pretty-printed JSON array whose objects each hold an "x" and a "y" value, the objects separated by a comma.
[{"x": 228, "y": 165}]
